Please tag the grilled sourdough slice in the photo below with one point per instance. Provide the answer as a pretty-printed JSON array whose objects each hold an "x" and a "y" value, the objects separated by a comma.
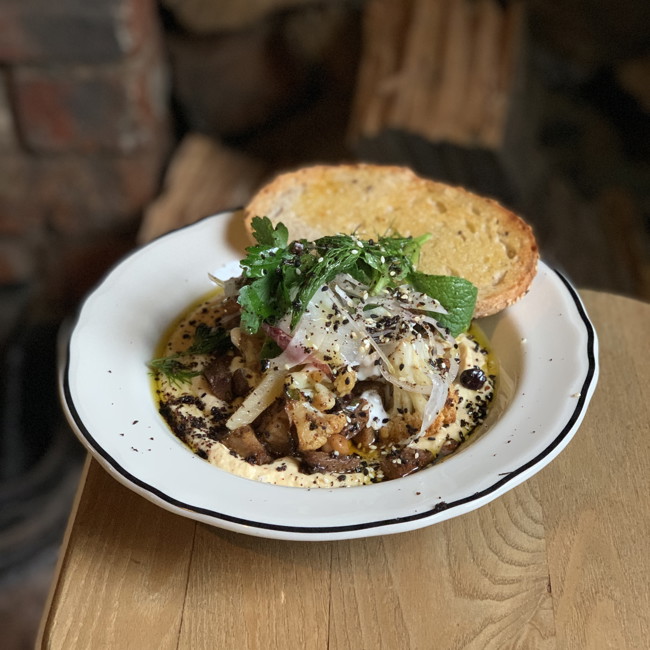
[{"x": 472, "y": 237}]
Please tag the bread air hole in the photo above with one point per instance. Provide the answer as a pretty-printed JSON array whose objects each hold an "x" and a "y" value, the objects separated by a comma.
[
  {"x": 510, "y": 249},
  {"x": 497, "y": 278}
]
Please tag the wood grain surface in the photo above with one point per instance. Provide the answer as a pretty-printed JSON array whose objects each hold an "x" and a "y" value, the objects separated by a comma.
[{"x": 562, "y": 561}]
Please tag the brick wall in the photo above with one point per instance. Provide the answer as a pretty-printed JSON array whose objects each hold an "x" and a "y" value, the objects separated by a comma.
[{"x": 84, "y": 133}]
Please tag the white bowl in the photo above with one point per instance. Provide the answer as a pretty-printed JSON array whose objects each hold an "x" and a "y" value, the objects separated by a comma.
[{"x": 545, "y": 343}]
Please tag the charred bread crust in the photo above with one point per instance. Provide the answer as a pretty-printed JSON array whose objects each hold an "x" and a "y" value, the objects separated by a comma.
[{"x": 473, "y": 237}]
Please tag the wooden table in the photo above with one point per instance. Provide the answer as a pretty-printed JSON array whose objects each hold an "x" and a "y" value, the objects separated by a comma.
[{"x": 562, "y": 561}]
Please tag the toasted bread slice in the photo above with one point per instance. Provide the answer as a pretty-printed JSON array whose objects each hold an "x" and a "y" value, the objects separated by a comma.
[{"x": 473, "y": 237}]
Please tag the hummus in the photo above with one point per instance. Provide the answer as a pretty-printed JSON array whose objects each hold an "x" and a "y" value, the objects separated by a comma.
[{"x": 338, "y": 430}]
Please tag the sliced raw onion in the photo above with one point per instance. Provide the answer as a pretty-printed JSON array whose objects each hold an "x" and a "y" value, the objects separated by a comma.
[
  {"x": 295, "y": 352},
  {"x": 265, "y": 393},
  {"x": 437, "y": 399}
]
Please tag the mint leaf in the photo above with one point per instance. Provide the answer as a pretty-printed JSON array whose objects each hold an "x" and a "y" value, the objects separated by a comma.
[
  {"x": 267, "y": 235},
  {"x": 456, "y": 295}
]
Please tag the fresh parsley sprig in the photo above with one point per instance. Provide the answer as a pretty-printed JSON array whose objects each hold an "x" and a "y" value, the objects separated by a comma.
[{"x": 282, "y": 278}]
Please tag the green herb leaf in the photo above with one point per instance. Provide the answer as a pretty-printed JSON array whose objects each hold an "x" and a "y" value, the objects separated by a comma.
[
  {"x": 283, "y": 279},
  {"x": 270, "y": 349},
  {"x": 176, "y": 371},
  {"x": 208, "y": 340},
  {"x": 257, "y": 303},
  {"x": 267, "y": 235},
  {"x": 456, "y": 295}
]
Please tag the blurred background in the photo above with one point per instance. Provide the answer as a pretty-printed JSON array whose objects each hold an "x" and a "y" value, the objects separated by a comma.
[{"x": 122, "y": 119}]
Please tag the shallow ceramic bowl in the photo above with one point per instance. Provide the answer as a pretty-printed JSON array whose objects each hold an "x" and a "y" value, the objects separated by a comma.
[{"x": 545, "y": 344}]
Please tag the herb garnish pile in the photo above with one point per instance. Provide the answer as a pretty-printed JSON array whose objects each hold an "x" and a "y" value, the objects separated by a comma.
[{"x": 282, "y": 277}]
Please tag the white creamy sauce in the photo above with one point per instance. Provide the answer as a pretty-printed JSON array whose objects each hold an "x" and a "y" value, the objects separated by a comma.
[{"x": 378, "y": 415}]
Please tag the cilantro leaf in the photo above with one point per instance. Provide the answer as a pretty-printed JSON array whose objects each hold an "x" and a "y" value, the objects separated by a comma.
[
  {"x": 456, "y": 295},
  {"x": 256, "y": 303},
  {"x": 261, "y": 260},
  {"x": 267, "y": 235}
]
